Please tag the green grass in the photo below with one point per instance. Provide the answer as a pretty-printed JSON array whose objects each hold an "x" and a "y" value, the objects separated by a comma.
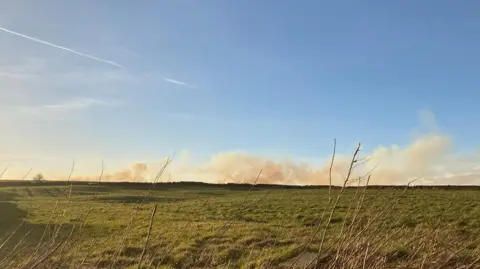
[{"x": 203, "y": 226}]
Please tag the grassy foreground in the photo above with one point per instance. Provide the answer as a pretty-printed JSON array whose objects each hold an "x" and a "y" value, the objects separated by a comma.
[{"x": 90, "y": 226}]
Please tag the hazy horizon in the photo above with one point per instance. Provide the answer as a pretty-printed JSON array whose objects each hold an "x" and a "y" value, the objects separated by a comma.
[{"x": 231, "y": 88}]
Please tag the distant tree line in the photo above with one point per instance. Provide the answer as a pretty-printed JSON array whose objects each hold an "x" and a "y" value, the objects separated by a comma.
[{"x": 40, "y": 179}]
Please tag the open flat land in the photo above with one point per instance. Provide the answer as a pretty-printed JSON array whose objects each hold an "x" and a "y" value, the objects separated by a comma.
[{"x": 189, "y": 225}]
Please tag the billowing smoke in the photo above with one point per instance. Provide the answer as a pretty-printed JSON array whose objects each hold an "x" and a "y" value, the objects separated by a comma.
[
  {"x": 136, "y": 173},
  {"x": 428, "y": 157},
  {"x": 240, "y": 167}
]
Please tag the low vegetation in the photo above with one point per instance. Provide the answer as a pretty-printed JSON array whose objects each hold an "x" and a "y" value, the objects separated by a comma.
[{"x": 186, "y": 225}]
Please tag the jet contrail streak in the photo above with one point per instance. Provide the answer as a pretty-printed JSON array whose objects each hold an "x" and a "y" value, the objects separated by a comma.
[{"x": 62, "y": 48}]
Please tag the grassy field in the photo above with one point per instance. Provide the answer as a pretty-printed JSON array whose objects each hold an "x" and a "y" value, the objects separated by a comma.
[{"x": 227, "y": 226}]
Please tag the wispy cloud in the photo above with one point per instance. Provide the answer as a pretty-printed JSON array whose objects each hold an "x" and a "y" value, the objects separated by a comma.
[
  {"x": 77, "y": 103},
  {"x": 13, "y": 75},
  {"x": 61, "y": 47},
  {"x": 58, "y": 110},
  {"x": 178, "y": 82}
]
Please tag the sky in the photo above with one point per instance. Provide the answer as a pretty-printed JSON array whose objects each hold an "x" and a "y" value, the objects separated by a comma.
[{"x": 226, "y": 85}]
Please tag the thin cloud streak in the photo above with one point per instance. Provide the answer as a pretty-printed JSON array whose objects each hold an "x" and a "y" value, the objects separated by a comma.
[
  {"x": 61, "y": 47},
  {"x": 58, "y": 109},
  {"x": 78, "y": 103},
  {"x": 178, "y": 82},
  {"x": 12, "y": 76}
]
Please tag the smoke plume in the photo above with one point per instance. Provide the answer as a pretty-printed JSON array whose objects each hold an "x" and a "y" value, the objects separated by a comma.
[
  {"x": 136, "y": 173},
  {"x": 430, "y": 158}
]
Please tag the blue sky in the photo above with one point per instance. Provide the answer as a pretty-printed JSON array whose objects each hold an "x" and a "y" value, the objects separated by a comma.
[{"x": 267, "y": 77}]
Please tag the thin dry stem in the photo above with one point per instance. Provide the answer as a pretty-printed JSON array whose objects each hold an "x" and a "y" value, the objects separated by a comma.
[{"x": 154, "y": 211}]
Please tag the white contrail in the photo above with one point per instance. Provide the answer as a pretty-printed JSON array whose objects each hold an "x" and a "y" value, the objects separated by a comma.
[
  {"x": 178, "y": 82},
  {"x": 62, "y": 48},
  {"x": 174, "y": 81}
]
